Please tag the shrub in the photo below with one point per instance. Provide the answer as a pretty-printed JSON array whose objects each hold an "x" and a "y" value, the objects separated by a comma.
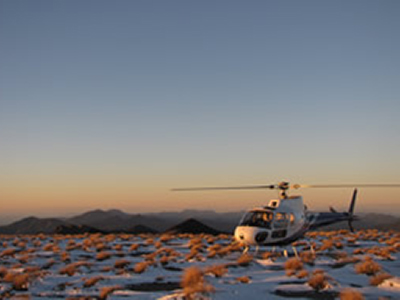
[
  {"x": 196, "y": 241},
  {"x": 107, "y": 290},
  {"x": 121, "y": 263},
  {"x": 140, "y": 267},
  {"x": 358, "y": 251},
  {"x": 149, "y": 242},
  {"x": 302, "y": 274},
  {"x": 110, "y": 237},
  {"x": 101, "y": 246},
  {"x": 270, "y": 255},
  {"x": 350, "y": 294},
  {"x": 379, "y": 278},
  {"x": 193, "y": 283},
  {"x": 65, "y": 257},
  {"x": 165, "y": 238},
  {"x": 69, "y": 270},
  {"x": 103, "y": 255},
  {"x": 217, "y": 270},
  {"x": 368, "y": 267},
  {"x": 318, "y": 281},
  {"x": 164, "y": 260},
  {"x": 20, "y": 282},
  {"x": 8, "y": 252},
  {"x": 244, "y": 260},
  {"x": 307, "y": 257},
  {"x": 49, "y": 247},
  {"x": 23, "y": 259},
  {"x": 134, "y": 247},
  {"x": 293, "y": 265},
  {"x": 118, "y": 247},
  {"x": 3, "y": 271},
  {"x": 9, "y": 277},
  {"x": 92, "y": 281},
  {"x": 215, "y": 247},
  {"x": 243, "y": 279},
  {"x": 326, "y": 245}
]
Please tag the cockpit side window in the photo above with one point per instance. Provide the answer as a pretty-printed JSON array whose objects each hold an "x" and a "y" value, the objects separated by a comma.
[
  {"x": 281, "y": 220},
  {"x": 258, "y": 219},
  {"x": 292, "y": 219}
]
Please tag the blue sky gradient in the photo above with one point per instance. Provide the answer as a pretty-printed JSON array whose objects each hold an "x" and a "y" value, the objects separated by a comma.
[{"x": 123, "y": 100}]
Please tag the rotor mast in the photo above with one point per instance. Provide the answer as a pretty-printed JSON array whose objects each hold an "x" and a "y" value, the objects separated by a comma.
[{"x": 283, "y": 187}]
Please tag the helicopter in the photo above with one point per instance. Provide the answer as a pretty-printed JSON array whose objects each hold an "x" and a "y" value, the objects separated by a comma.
[{"x": 286, "y": 219}]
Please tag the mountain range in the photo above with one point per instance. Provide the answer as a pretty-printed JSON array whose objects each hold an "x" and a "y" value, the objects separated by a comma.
[{"x": 185, "y": 221}]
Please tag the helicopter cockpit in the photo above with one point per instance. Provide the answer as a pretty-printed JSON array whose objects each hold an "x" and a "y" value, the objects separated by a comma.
[{"x": 267, "y": 219}]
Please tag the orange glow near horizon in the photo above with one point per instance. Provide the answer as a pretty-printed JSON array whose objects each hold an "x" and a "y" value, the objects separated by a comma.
[{"x": 58, "y": 198}]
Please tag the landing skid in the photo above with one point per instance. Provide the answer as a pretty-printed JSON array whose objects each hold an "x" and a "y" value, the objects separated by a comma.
[{"x": 285, "y": 251}]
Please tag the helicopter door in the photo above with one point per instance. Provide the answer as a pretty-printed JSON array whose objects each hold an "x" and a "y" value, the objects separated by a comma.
[{"x": 281, "y": 224}]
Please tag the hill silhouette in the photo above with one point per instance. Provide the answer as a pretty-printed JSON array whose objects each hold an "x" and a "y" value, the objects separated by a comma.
[
  {"x": 192, "y": 226},
  {"x": 32, "y": 225},
  {"x": 119, "y": 221}
]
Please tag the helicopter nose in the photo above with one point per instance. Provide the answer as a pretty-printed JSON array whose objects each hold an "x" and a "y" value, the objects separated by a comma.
[{"x": 261, "y": 237}]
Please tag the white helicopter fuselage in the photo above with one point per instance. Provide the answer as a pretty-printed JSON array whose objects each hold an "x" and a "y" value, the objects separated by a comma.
[{"x": 282, "y": 221}]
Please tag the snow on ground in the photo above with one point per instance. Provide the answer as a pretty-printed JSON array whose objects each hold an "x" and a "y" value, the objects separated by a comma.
[{"x": 125, "y": 266}]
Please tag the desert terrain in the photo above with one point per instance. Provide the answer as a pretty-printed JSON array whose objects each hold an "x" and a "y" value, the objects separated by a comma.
[{"x": 324, "y": 265}]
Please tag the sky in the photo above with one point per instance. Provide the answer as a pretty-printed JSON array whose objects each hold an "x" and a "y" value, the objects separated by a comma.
[{"x": 110, "y": 104}]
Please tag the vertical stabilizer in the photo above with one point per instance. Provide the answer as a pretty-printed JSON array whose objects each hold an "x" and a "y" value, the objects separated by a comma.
[
  {"x": 353, "y": 202},
  {"x": 351, "y": 210}
]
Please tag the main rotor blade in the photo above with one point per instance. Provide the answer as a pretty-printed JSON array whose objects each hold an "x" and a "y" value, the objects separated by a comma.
[
  {"x": 251, "y": 187},
  {"x": 296, "y": 186}
]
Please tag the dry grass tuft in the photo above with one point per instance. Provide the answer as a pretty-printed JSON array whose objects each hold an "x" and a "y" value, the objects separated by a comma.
[
  {"x": 149, "y": 241},
  {"x": 164, "y": 260},
  {"x": 243, "y": 279},
  {"x": 20, "y": 282},
  {"x": 140, "y": 267},
  {"x": 368, "y": 267},
  {"x": 8, "y": 252},
  {"x": 193, "y": 283},
  {"x": 121, "y": 263},
  {"x": 103, "y": 255},
  {"x": 71, "y": 269},
  {"x": 302, "y": 274},
  {"x": 9, "y": 277},
  {"x": 165, "y": 238},
  {"x": 216, "y": 270},
  {"x": 379, "y": 278},
  {"x": 318, "y": 281},
  {"x": 270, "y": 255},
  {"x": 3, "y": 271},
  {"x": 108, "y": 290},
  {"x": 134, "y": 247},
  {"x": 350, "y": 294},
  {"x": 293, "y": 265},
  {"x": 308, "y": 257},
  {"x": 92, "y": 281},
  {"x": 244, "y": 260},
  {"x": 326, "y": 245}
]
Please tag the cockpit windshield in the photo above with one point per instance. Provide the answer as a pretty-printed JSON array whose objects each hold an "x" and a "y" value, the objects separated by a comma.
[
  {"x": 258, "y": 218},
  {"x": 267, "y": 219}
]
